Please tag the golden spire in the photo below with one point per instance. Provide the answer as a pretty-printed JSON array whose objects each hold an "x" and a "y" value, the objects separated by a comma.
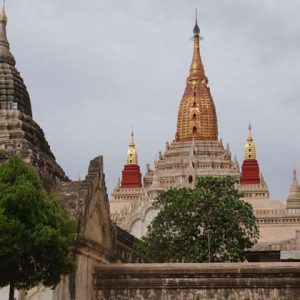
[
  {"x": 196, "y": 69},
  {"x": 250, "y": 150},
  {"x": 132, "y": 157},
  {"x": 197, "y": 116}
]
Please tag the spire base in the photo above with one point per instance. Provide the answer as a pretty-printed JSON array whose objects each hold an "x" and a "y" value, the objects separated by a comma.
[
  {"x": 131, "y": 177},
  {"x": 250, "y": 172}
]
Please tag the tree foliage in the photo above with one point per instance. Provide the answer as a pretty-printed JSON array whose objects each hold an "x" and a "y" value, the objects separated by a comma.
[
  {"x": 35, "y": 233},
  {"x": 208, "y": 223}
]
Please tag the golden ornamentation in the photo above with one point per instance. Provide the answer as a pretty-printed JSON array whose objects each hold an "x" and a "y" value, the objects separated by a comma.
[
  {"x": 132, "y": 157},
  {"x": 250, "y": 150},
  {"x": 197, "y": 116}
]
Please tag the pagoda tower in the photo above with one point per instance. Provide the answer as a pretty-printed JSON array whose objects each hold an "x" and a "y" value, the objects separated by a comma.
[
  {"x": 129, "y": 187},
  {"x": 250, "y": 168},
  {"x": 131, "y": 175},
  {"x": 197, "y": 118},
  {"x": 252, "y": 183},
  {"x": 293, "y": 200},
  {"x": 196, "y": 150},
  {"x": 19, "y": 133}
]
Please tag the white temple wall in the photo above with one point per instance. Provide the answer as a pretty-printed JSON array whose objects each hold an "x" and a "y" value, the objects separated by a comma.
[
  {"x": 137, "y": 228},
  {"x": 39, "y": 293},
  {"x": 141, "y": 222},
  {"x": 277, "y": 232}
]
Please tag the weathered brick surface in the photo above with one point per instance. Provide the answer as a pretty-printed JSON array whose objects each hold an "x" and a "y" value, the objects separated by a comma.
[{"x": 239, "y": 281}]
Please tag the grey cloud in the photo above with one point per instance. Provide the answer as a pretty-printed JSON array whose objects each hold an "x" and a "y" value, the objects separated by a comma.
[{"x": 96, "y": 68}]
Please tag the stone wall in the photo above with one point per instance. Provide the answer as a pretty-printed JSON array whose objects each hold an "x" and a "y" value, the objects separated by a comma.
[
  {"x": 99, "y": 241},
  {"x": 236, "y": 281}
]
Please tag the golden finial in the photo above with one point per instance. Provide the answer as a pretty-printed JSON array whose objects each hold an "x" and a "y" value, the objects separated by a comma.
[
  {"x": 197, "y": 116},
  {"x": 132, "y": 157},
  {"x": 196, "y": 29},
  {"x": 250, "y": 150},
  {"x": 196, "y": 70},
  {"x": 132, "y": 137}
]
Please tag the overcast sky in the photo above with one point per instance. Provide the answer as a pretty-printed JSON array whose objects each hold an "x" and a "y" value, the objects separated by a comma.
[{"x": 95, "y": 68}]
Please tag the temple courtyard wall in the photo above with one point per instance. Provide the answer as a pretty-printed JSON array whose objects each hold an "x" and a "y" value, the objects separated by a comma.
[{"x": 216, "y": 281}]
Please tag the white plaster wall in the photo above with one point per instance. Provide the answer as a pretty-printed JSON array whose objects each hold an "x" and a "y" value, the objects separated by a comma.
[
  {"x": 4, "y": 293},
  {"x": 62, "y": 289},
  {"x": 137, "y": 228},
  {"x": 277, "y": 232},
  {"x": 117, "y": 205},
  {"x": 40, "y": 293},
  {"x": 150, "y": 214},
  {"x": 84, "y": 277},
  {"x": 266, "y": 203}
]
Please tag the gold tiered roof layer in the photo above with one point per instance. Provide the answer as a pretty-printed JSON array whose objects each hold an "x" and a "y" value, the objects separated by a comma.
[
  {"x": 197, "y": 116},
  {"x": 250, "y": 149},
  {"x": 132, "y": 156}
]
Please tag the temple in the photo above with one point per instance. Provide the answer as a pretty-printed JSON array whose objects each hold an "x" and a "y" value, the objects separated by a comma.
[
  {"x": 106, "y": 230},
  {"x": 98, "y": 240},
  {"x": 198, "y": 151},
  {"x": 195, "y": 151},
  {"x": 197, "y": 117}
]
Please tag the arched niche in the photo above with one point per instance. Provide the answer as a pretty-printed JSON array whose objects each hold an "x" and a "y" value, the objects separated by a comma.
[{"x": 137, "y": 228}]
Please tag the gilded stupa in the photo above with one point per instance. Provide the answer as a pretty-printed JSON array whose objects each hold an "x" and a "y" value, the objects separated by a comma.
[
  {"x": 252, "y": 183},
  {"x": 132, "y": 156},
  {"x": 131, "y": 175},
  {"x": 197, "y": 118},
  {"x": 129, "y": 187},
  {"x": 196, "y": 150},
  {"x": 250, "y": 168}
]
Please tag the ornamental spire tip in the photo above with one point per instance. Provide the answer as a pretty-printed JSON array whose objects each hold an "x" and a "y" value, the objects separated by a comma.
[
  {"x": 132, "y": 158},
  {"x": 196, "y": 29},
  {"x": 250, "y": 149},
  {"x": 132, "y": 136},
  {"x": 250, "y": 129}
]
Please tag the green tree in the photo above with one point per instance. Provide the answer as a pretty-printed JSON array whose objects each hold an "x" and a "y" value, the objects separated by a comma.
[
  {"x": 210, "y": 223},
  {"x": 35, "y": 233}
]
